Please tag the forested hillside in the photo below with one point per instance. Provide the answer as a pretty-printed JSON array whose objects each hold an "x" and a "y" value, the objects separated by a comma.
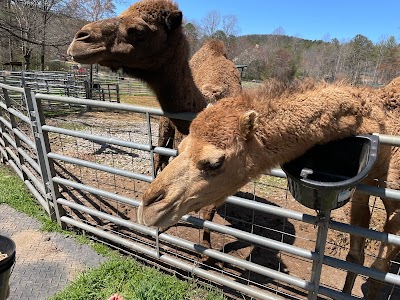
[
  {"x": 36, "y": 33},
  {"x": 359, "y": 60}
]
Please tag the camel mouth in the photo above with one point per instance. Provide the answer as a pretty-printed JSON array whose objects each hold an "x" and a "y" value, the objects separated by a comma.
[
  {"x": 86, "y": 55},
  {"x": 156, "y": 216},
  {"x": 156, "y": 198},
  {"x": 158, "y": 211}
]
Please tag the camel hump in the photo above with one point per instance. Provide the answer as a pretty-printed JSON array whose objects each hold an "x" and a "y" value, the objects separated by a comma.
[
  {"x": 217, "y": 47},
  {"x": 395, "y": 83}
]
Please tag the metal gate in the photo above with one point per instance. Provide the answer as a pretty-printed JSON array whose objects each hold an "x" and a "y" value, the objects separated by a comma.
[{"x": 89, "y": 168}]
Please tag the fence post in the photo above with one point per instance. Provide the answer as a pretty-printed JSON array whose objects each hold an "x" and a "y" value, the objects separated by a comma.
[
  {"x": 3, "y": 130},
  {"x": 117, "y": 90},
  {"x": 22, "y": 79},
  {"x": 17, "y": 140},
  {"x": 43, "y": 148},
  {"x": 323, "y": 226},
  {"x": 148, "y": 121}
]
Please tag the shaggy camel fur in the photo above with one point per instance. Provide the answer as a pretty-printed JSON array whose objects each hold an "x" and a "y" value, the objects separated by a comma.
[
  {"x": 148, "y": 43},
  {"x": 390, "y": 94},
  {"x": 215, "y": 76},
  {"x": 238, "y": 138}
]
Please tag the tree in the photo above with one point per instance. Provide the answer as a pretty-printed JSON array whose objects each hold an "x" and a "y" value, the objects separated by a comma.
[
  {"x": 193, "y": 36},
  {"x": 92, "y": 10},
  {"x": 33, "y": 25},
  {"x": 224, "y": 28},
  {"x": 211, "y": 22},
  {"x": 230, "y": 25},
  {"x": 388, "y": 61},
  {"x": 358, "y": 58},
  {"x": 42, "y": 27}
]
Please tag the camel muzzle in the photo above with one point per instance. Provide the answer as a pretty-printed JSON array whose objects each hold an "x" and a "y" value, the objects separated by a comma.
[{"x": 153, "y": 198}]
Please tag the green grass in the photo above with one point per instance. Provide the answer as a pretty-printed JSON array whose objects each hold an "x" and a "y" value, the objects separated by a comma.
[
  {"x": 14, "y": 193},
  {"x": 143, "y": 100},
  {"x": 119, "y": 274},
  {"x": 132, "y": 281},
  {"x": 61, "y": 110}
]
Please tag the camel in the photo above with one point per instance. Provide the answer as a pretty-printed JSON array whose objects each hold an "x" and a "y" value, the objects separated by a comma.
[
  {"x": 238, "y": 138},
  {"x": 215, "y": 76},
  {"x": 147, "y": 42}
]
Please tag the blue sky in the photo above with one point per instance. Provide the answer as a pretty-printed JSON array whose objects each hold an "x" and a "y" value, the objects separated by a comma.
[{"x": 306, "y": 19}]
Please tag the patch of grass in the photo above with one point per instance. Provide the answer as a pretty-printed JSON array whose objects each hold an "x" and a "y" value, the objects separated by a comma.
[
  {"x": 73, "y": 126},
  {"x": 118, "y": 274},
  {"x": 268, "y": 183},
  {"x": 140, "y": 100},
  {"x": 62, "y": 110},
  {"x": 14, "y": 193},
  {"x": 132, "y": 281}
]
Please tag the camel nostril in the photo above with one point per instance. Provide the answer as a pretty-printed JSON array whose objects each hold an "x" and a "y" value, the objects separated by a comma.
[
  {"x": 82, "y": 36},
  {"x": 155, "y": 198}
]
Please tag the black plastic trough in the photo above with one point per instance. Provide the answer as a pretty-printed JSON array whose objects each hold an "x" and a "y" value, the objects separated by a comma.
[{"x": 325, "y": 177}]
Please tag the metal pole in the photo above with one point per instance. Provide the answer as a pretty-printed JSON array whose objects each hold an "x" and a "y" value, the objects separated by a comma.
[
  {"x": 91, "y": 82},
  {"x": 153, "y": 171},
  {"x": 43, "y": 148},
  {"x": 3, "y": 131},
  {"x": 323, "y": 226},
  {"x": 20, "y": 159}
]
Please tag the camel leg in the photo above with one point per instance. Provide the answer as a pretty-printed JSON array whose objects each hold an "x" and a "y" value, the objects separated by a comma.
[
  {"x": 208, "y": 215},
  {"x": 166, "y": 134},
  {"x": 387, "y": 252},
  {"x": 360, "y": 215}
]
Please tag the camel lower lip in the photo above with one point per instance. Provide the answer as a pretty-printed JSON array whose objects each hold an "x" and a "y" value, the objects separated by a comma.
[
  {"x": 157, "y": 219},
  {"x": 88, "y": 57}
]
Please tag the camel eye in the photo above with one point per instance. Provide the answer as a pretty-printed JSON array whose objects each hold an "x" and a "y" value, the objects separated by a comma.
[
  {"x": 135, "y": 32},
  {"x": 212, "y": 166}
]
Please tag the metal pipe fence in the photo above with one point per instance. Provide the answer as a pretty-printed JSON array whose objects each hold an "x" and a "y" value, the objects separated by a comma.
[
  {"x": 89, "y": 173},
  {"x": 78, "y": 83}
]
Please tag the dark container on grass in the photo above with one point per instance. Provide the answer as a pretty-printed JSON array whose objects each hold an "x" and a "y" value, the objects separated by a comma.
[
  {"x": 325, "y": 177},
  {"x": 7, "y": 246}
]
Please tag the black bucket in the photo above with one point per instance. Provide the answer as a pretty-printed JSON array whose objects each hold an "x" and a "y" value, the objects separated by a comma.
[
  {"x": 7, "y": 246},
  {"x": 325, "y": 177}
]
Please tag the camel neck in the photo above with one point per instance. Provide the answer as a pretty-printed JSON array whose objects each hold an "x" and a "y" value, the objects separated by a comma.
[
  {"x": 173, "y": 84},
  {"x": 175, "y": 89},
  {"x": 176, "y": 92}
]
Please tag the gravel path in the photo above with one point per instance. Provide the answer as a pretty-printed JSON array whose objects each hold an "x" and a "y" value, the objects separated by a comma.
[{"x": 45, "y": 262}]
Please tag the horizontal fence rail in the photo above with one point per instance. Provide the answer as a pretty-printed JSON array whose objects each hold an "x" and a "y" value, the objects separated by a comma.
[
  {"x": 83, "y": 82},
  {"x": 92, "y": 179}
]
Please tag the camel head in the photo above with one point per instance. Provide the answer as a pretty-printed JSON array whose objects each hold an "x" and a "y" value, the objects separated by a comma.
[
  {"x": 213, "y": 163},
  {"x": 138, "y": 40}
]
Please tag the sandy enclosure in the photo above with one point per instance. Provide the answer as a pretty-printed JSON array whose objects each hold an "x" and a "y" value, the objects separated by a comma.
[{"x": 267, "y": 189}]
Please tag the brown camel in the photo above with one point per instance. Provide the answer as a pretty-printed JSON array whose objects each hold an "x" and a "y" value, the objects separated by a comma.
[
  {"x": 238, "y": 138},
  {"x": 215, "y": 76},
  {"x": 148, "y": 43}
]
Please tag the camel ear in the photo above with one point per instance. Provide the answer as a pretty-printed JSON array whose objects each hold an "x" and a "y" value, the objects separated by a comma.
[
  {"x": 172, "y": 19},
  {"x": 248, "y": 123}
]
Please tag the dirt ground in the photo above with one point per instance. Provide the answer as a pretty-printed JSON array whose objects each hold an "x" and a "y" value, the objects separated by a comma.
[{"x": 266, "y": 189}]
